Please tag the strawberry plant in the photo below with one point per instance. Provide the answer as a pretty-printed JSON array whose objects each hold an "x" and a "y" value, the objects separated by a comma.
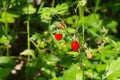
[{"x": 59, "y": 40}]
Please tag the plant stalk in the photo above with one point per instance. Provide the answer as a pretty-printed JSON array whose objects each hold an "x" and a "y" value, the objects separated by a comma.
[
  {"x": 96, "y": 6},
  {"x": 28, "y": 33}
]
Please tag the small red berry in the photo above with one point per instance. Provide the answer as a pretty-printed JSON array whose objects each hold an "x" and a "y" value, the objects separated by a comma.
[
  {"x": 75, "y": 45},
  {"x": 62, "y": 25},
  {"x": 58, "y": 36}
]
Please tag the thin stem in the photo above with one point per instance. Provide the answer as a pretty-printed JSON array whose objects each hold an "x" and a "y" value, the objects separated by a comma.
[
  {"x": 81, "y": 14},
  {"x": 28, "y": 27},
  {"x": 28, "y": 30},
  {"x": 28, "y": 33},
  {"x": 35, "y": 45},
  {"x": 6, "y": 26},
  {"x": 41, "y": 5},
  {"x": 80, "y": 59},
  {"x": 53, "y": 2},
  {"x": 96, "y": 6}
]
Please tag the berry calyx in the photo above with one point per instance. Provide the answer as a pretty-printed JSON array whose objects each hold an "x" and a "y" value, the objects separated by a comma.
[
  {"x": 62, "y": 25},
  {"x": 75, "y": 45},
  {"x": 89, "y": 55},
  {"x": 58, "y": 36}
]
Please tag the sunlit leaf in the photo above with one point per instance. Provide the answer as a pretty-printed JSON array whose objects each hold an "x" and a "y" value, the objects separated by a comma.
[
  {"x": 7, "y": 62},
  {"x": 73, "y": 73},
  {"x": 113, "y": 69},
  {"x": 28, "y": 52},
  {"x": 29, "y": 9}
]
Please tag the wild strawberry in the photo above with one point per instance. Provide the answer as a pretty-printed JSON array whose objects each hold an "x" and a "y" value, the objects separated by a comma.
[
  {"x": 58, "y": 36},
  {"x": 75, "y": 45}
]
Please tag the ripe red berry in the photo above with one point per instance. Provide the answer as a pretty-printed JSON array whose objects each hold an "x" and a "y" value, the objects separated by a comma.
[
  {"x": 58, "y": 36},
  {"x": 62, "y": 25},
  {"x": 75, "y": 45}
]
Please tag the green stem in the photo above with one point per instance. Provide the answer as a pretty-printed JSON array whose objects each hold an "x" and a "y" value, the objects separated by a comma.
[
  {"x": 96, "y": 6},
  {"x": 41, "y": 5},
  {"x": 81, "y": 17},
  {"x": 35, "y": 45},
  {"x": 80, "y": 59},
  {"x": 28, "y": 30},
  {"x": 28, "y": 36},
  {"x": 81, "y": 14},
  {"x": 28, "y": 33},
  {"x": 53, "y": 2},
  {"x": 28, "y": 27},
  {"x": 6, "y": 26}
]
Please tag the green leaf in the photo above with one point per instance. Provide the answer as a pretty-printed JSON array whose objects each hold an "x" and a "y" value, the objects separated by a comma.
[
  {"x": 113, "y": 69},
  {"x": 100, "y": 67},
  {"x": 36, "y": 37},
  {"x": 51, "y": 59},
  {"x": 7, "y": 62},
  {"x": 8, "y": 14},
  {"x": 112, "y": 26},
  {"x": 7, "y": 20},
  {"x": 28, "y": 52},
  {"x": 71, "y": 30},
  {"x": 3, "y": 39},
  {"x": 73, "y": 53},
  {"x": 79, "y": 75},
  {"x": 73, "y": 73},
  {"x": 60, "y": 78},
  {"x": 61, "y": 9},
  {"x": 8, "y": 17},
  {"x": 29, "y": 9},
  {"x": 4, "y": 72},
  {"x": 47, "y": 13},
  {"x": 92, "y": 20}
]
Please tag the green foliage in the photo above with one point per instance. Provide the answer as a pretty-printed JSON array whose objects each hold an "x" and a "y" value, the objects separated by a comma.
[
  {"x": 6, "y": 65},
  {"x": 7, "y": 62},
  {"x": 113, "y": 70},
  {"x": 27, "y": 33},
  {"x": 8, "y": 17},
  {"x": 48, "y": 12},
  {"x": 74, "y": 73}
]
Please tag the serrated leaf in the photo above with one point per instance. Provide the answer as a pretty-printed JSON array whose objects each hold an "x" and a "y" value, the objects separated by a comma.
[
  {"x": 8, "y": 14},
  {"x": 7, "y": 62},
  {"x": 3, "y": 39},
  {"x": 36, "y": 36},
  {"x": 112, "y": 26},
  {"x": 50, "y": 58},
  {"x": 91, "y": 20},
  {"x": 73, "y": 73},
  {"x": 71, "y": 30},
  {"x": 100, "y": 67},
  {"x": 8, "y": 20},
  {"x": 113, "y": 69},
  {"x": 79, "y": 75},
  {"x": 28, "y": 52},
  {"x": 73, "y": 53},
  {"x": 8, "y": 17},
  {"x": 61, "y": 9},
  {"x": 29, "y": 9}
]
